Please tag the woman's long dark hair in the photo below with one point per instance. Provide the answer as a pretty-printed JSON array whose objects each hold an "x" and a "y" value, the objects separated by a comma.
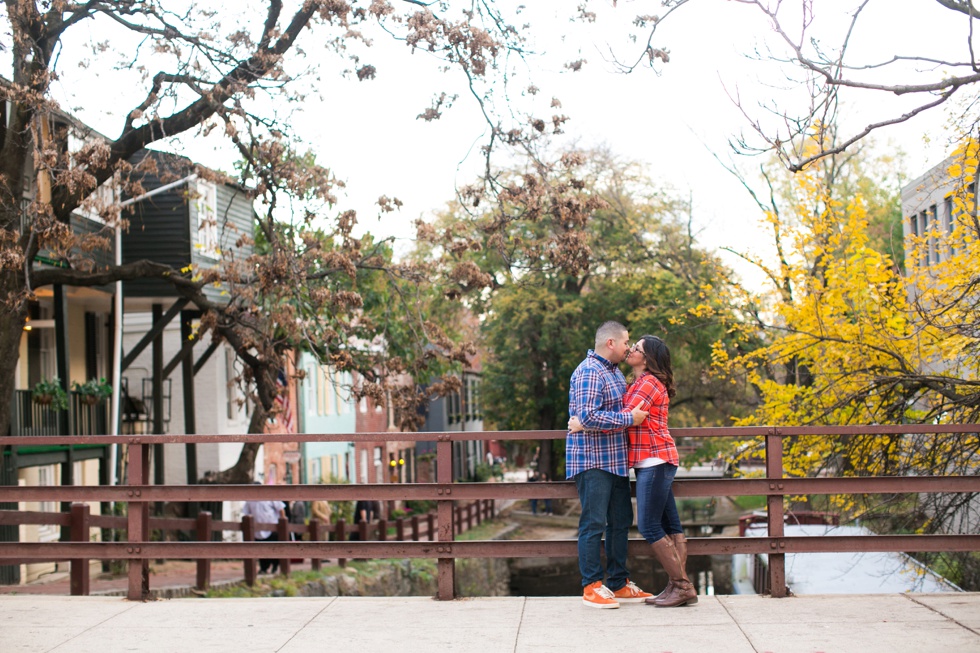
[{"x": 657, "y": 359}]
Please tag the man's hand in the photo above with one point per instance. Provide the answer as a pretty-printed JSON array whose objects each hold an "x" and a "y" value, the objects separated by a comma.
[{"x": 639, "y": 415}]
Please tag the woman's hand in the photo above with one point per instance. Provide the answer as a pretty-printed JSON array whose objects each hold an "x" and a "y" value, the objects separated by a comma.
[{"x": 575, "y": 424}]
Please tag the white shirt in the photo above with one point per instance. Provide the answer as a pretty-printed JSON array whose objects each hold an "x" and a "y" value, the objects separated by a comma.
[
  {"x": 652, "y": 461},
  {"x": 265, "y": 512}
]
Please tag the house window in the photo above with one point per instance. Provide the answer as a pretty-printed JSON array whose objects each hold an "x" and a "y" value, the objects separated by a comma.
[
  {"x": 473, "y": 397},
  {"x": 323, "y": 391},
  {"x": 924, "y": 238},
  {"x": 45, "y": 477},
  {"x": 337, "y": 397},
  {"x": 316, "y": 474},
  {"x": 950, "y": 224},
  {"x": 48, "y": 349},
  {"x": 206, "y": 204},
  {"x": 378, "y": 467},
  {"x": 103, "y": 198},
  {"x": 47, "y": 532},
  {"x": 451, "y": 414},
  {"x": 310, "y": 382}
]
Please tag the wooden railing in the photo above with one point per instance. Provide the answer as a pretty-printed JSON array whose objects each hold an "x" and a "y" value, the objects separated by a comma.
[
  {"x": 80, "y": 522},
  {"x": 139, "y": 495}
]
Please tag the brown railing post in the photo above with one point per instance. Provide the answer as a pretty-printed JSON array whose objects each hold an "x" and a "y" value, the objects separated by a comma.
[
  {"x": 282, "y": 529},
  {"x": 400, "y": 529},
  {"x": 138, "y": 522},
  {"x": 382, "y": 530},
  {"x": 430, "y": 524},
  {"x": 362, "y": 530},
  {"x": 204, "y": 564},
  {"x": 415, "y": 528},
  {"x": 774, "y": 504},
  {"x": 446, "y": 565},
  {"x": 469, "y": 516},
  {"x": 479, "y": 511},
  {"x": 248, "y": 535},
  {"x": 79, "y": 533},
  {"x": 314, "y": 527},
  {"x": 340, "y": 535}
]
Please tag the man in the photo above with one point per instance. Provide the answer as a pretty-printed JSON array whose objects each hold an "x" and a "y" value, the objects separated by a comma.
[
  {"x": 266, "y": 512},
  {"x": 367, "y": 512},
  {"x": 596, "y": 459}
]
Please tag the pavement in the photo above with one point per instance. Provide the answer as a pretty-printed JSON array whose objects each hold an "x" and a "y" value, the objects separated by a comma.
[
  {"x": 169, "y": 579},
  {"x": 924, "y": 623}
]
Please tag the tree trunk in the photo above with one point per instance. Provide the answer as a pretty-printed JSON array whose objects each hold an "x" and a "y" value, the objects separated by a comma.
[
  {"x": 243, "y": 471},
  {"x": 12, "y": 319}
]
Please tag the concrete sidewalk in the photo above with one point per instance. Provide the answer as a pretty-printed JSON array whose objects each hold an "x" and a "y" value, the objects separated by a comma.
[
  {"x": 924, "y": 623},
  {"x": 170, "y": 579}
]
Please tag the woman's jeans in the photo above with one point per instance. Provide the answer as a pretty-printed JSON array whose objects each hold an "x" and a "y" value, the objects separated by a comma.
[
  {"x": 606, "y": 507},
  {"x": 655, "y": 506}
]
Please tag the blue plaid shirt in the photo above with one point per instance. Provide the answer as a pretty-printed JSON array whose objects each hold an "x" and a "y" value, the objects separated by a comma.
[{"x": 596, "y": 397}]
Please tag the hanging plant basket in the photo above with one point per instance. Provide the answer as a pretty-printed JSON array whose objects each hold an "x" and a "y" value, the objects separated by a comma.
[
  {"x": 92, "y": 391},
  {"x": 49, "y": 393}
]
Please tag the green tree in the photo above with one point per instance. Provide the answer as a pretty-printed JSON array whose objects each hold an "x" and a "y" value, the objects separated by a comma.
[
  {"x": 598, "y": 242},
  {"x": 853, "y": 341}
]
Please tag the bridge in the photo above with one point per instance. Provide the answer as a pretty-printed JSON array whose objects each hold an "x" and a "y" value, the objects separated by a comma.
[
  {"x": 924, "y": 623},
  {"x": 738, "y": 622}
]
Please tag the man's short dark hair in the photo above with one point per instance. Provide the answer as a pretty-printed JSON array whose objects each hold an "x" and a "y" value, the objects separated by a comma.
[{"x": 607, "y": 330}]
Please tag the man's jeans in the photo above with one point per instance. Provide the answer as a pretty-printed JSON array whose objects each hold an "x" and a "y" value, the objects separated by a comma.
[
  {"x": 606, "y": 506},
  {"x": 656, "y": 510}
]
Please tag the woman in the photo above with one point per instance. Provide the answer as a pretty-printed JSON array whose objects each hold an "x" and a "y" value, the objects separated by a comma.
[{"x": 653, "y": 456}]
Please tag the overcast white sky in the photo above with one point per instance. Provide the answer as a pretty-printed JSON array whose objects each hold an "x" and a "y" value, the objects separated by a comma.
[{"x": 672, "y": 121}]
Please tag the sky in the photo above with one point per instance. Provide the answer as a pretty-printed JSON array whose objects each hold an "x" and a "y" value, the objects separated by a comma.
[{"x": 677, "y": 120}]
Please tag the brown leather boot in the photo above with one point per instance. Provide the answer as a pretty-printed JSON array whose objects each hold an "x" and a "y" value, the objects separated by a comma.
[
  {"x": 680, "y": 591},
  {"x": 680, "y": 543},
  {"x": 662, "y": 594}
]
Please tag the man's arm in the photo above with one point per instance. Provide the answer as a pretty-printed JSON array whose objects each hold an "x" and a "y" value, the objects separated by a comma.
[{"x": 586, "y": 395}]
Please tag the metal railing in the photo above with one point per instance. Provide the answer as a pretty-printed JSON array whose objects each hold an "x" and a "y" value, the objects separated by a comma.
[
  {"x": 79, "y": 521},
  {"x": 139, "y": 494},
  {"x": 85, "y": 417}
]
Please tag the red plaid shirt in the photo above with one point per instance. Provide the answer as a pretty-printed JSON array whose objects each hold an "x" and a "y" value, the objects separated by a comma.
[{"x": 651, "y": 438}]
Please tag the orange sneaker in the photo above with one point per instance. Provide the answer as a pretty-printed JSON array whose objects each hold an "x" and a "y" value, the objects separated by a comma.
[
  {"x": 630, "y": 593},
  {"x": 598, "y": 595}
]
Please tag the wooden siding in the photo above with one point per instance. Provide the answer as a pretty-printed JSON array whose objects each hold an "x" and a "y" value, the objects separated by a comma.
[
  {"x": 235, "y": 218},
  {"x": 158, "y": 226},
  {"x": 164, "y": 227},
  {"x": 84, "y": 226}
]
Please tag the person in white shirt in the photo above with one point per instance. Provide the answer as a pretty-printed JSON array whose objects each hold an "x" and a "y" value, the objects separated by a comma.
[{"x": 266, "y": 512}]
